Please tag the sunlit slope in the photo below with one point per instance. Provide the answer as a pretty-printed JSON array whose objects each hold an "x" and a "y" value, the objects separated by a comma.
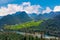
[{"x": 24, "y": 25}]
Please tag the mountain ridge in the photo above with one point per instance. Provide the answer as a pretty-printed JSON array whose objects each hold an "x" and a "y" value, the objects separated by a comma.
[{"x": 18, "y": 17}]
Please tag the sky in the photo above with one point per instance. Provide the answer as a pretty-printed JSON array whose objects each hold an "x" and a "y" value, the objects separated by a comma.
[{"x": 29, "y": 6}]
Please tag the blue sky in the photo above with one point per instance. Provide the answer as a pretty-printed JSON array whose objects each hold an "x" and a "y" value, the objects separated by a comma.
[
  {"x": 29, "y": 6},
  {"x": 43, "y": 3}
]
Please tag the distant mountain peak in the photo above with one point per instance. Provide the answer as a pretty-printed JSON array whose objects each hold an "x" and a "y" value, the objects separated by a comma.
[
  {"x": 17, "y": 18},
  {"x": 18, "y": 13}
]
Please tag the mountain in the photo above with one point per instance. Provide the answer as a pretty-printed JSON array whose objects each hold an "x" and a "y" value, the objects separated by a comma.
[
  {"x": 33, "y": 16},
  {"x": 47, "y": 15},
  {"x": 1, "y": 17},
  {"x": 52, "y": 26},
  {"x": 17, "y": 18},
  {"x": 44, "y": 16},
  {"x": 23, "y": 16}
]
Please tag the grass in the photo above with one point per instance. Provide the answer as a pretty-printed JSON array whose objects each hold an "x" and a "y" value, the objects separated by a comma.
[{"x": 24, "y": 25}]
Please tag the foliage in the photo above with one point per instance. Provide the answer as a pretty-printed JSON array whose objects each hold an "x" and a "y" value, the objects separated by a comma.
[
  {"x": 24, "y": 25},
  {"x": 14, "y": 36}
]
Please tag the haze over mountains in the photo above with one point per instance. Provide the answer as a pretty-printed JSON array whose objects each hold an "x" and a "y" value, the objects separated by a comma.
[
  {"x": 21, "y": 17},
  {"x": 17, "y": 18},
  {"x": 51, "y": 21},
  {"x": 45, "y": 15},
  {"x": 52, "y": 26}
]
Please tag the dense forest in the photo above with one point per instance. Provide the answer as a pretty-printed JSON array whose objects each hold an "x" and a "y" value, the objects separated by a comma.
[{"x": 14, "y": 36}]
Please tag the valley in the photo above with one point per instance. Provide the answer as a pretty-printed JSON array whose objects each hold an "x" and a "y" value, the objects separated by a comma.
[{"x": 45, "y": 28}]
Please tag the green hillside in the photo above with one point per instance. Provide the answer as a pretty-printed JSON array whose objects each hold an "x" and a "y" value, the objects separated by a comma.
[{"x": 24, "y": 25}]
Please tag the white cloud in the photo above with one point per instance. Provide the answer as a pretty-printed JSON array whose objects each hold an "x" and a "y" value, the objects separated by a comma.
[
  {"x": 56, "y": 8},
  {"x": 12, "y": 8},
  {"x": 25, "y": 6},
  {"x": 32, "y": 9},
  {"x": 48, "y": 10}
]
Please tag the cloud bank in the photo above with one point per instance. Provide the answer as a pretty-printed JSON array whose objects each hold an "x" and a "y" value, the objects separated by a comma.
[
  {"x": 56, "y": 8},
  {"x": 25, "y": 6},
  {"x": 48, "y": 10}
]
